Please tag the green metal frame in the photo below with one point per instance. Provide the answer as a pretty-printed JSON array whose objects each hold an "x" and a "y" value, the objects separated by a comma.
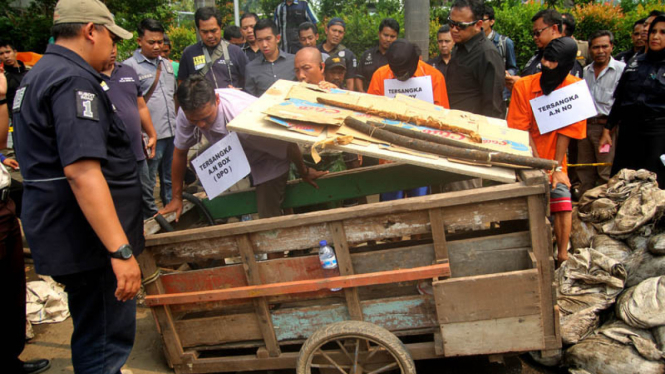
[{"x": 335, "y": 187}]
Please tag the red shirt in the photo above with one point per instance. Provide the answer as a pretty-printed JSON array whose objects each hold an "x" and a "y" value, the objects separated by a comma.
[{"x": 520, "y": 116}]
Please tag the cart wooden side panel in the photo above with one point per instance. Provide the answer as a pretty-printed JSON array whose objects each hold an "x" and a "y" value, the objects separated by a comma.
[{"x": 255, "y": 314}]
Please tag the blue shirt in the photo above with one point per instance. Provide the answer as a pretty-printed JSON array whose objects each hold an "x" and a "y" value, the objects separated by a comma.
[
  {"x": 123, "y": 88},
  {"x": 193, "y": 60},
  {"x": 61, "y": 116}
]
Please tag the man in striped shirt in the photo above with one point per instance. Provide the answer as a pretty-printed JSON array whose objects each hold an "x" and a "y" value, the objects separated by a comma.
[{"x": 288, "y": 16}]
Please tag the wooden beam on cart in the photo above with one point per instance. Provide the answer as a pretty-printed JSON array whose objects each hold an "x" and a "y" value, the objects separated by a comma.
[
  {"x": 261, "y": 304},
  {"x": 346, "y": 268},
  {"x": 347, "y": 281}
]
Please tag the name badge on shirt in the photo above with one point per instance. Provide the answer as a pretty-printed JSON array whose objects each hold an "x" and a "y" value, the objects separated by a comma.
[
  {"x": 145, "y": 76},
  {"x": 105, "y": 86},
  {"x": 18, "y": 99},
  {"x": 199, "y": 62},
  {"x": 87, "y": 105}
]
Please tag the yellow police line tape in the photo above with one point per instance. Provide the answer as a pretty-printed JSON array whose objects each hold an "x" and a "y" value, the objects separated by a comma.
[{"x": 594, "y": 164}]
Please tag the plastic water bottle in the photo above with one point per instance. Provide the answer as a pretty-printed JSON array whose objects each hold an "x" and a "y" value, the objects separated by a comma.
[{"x": 328, "y": 261}]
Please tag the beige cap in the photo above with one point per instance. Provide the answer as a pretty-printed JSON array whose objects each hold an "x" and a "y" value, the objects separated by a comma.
[{"x": 84, "y": 11}]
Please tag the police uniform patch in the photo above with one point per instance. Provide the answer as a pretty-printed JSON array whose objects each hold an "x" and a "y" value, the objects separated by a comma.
[
  {"x": 87, "y": 105},
  {"x": 18, "y": 99},
  {"x": 105, "y": 86}
]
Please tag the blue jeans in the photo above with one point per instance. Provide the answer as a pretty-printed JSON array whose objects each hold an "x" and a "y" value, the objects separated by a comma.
[
  {"x": 414, "y": 192},
  {"x": 162, "y": 163},
  {"x": 104, "y": 328},
  {"x": 148, "y": 206}
]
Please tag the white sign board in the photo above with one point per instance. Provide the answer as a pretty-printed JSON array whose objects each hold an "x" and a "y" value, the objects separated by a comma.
[
  {"x": 416, "y": 87},
  {"x": 222, "y": 165},
  {"x": 563, "y": 107}
]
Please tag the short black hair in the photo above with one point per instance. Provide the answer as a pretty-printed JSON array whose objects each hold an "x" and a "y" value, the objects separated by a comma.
[
  {"x": 264, "y": 24},
  {"x": 569, "y": 22},
  {"x": 205, "y": 13},
  {"x": 69, "y": 30},
  {"x": 232, "y": 31},
  {"x": 655, "y": 13},
  {"x": 7, "y": 43},
  {"x": 167, "y": 41},
  {"x": 308, "y": 26},
  {"x": 389, "y": 22},
  {"x": 489, "y": 12},
  {"x": 477, "y": 7},
  {"x": 600, "y": 34},
  {"x": 149, "y": 24},
  {"x": 249, "y": 15},
  {"x": 550, "y": 17},
  {"x": 639, "y": 22},
  {"x": 195, "y": 92},
  {"x": 443, "y": 29}
]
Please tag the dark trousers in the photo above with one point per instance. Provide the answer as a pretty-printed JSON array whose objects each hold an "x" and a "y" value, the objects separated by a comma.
[
  {"x": 104, "y": 327},
  {"x": 12, "y": 289},
  {"x": 270, "y": 196},
  {"x": 587, "y": 153}
]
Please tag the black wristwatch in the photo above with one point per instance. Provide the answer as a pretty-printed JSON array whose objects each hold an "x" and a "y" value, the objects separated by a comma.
[{"x": 124, "y": 252}]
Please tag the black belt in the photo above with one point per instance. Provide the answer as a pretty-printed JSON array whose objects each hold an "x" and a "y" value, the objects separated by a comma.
[{"x": 598, "y": 120}]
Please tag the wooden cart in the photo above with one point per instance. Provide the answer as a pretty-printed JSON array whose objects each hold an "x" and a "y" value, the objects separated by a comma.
[{"x": 486, "y": 253}]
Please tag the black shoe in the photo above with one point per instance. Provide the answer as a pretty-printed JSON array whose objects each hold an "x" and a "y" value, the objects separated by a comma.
[{"x": 35, "y": 366}]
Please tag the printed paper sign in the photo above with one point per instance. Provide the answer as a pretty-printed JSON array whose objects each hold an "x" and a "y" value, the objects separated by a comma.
[
  {"x": 222, "y": 165},
  {"x": 418, "y": 87},
  {"x": 563, "y": 107}
]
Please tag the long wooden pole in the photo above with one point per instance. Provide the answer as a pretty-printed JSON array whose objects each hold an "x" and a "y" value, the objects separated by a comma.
[{"x": 427, "y": 144}]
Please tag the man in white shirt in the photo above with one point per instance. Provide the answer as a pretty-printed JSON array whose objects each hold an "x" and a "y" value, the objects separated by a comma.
[{"x": 602, "y": 77}]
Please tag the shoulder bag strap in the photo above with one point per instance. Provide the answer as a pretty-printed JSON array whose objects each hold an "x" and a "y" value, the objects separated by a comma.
[{"x": 147, "y": 96}]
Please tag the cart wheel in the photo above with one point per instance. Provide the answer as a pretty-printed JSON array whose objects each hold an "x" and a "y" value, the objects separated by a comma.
[{"x": 354, "y": 347}]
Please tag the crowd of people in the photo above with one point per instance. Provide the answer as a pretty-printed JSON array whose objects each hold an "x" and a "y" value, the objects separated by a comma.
[{"x": 93, "y": 134}]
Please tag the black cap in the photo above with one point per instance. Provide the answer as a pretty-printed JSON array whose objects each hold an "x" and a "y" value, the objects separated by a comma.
[
  {"x": 403, "y": 59},
  {"x": 337, "y": 21},
  {"x": 335, "y": 61}
]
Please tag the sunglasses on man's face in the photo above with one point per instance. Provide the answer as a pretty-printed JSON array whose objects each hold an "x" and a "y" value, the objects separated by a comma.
[
  {"x": 460, "y": 25},
  {"x": 536, "y": 33}
]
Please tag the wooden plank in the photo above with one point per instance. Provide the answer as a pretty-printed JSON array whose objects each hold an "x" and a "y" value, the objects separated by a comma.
[
  {"x": 335, "y": 187},
  {"x": 533, "y": 177},
  {"x": 513, "y": 334},
  {"x": 499, "y": 253},
  {"x": 358, "y": 230},
  {"x": 384, "y": 277},
  {"x": 542, "y": 248},
  {"x": 486, "y": 297},
  {"x": 346, "y": 268},
  {"x": 216, "y": 330},
  {"x": 252, "y": 121},
  {"x": 287, "y": 360},
  {"x": 261, "y": 305},
  {"x": 446, "y": 200},
  {"x": 394, "y": 314},
  {"x": 438, "y": 234},
  {"x": 163, "y": 317}
]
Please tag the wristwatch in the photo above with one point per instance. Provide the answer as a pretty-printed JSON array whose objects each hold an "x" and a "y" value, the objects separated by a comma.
[{"x": 124, "y": 252}]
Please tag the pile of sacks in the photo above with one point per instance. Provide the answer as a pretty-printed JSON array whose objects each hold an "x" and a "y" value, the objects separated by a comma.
[{"x": 611, "y": 291}]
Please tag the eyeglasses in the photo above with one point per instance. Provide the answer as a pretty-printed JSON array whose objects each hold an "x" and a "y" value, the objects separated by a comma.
[
  {"x": 460, "y": 25},
  {"x": 538, "y": 32}
]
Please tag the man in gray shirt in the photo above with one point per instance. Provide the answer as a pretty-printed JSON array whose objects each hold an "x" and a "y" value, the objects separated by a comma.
[
  {"x": 602, "y": 77},
  {"x": 273, "y": 65},
  {"x": 158, "y": 84}
]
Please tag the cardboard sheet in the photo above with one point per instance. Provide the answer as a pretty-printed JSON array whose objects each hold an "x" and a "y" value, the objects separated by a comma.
[{"x": 252, "y": 121}]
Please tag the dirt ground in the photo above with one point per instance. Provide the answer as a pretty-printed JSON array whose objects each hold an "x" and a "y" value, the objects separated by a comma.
[{"x": 51, "y": 341}]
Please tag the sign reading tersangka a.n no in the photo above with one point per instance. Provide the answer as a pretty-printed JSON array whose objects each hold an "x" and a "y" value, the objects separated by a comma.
[{"x": 563, "y": 107}]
